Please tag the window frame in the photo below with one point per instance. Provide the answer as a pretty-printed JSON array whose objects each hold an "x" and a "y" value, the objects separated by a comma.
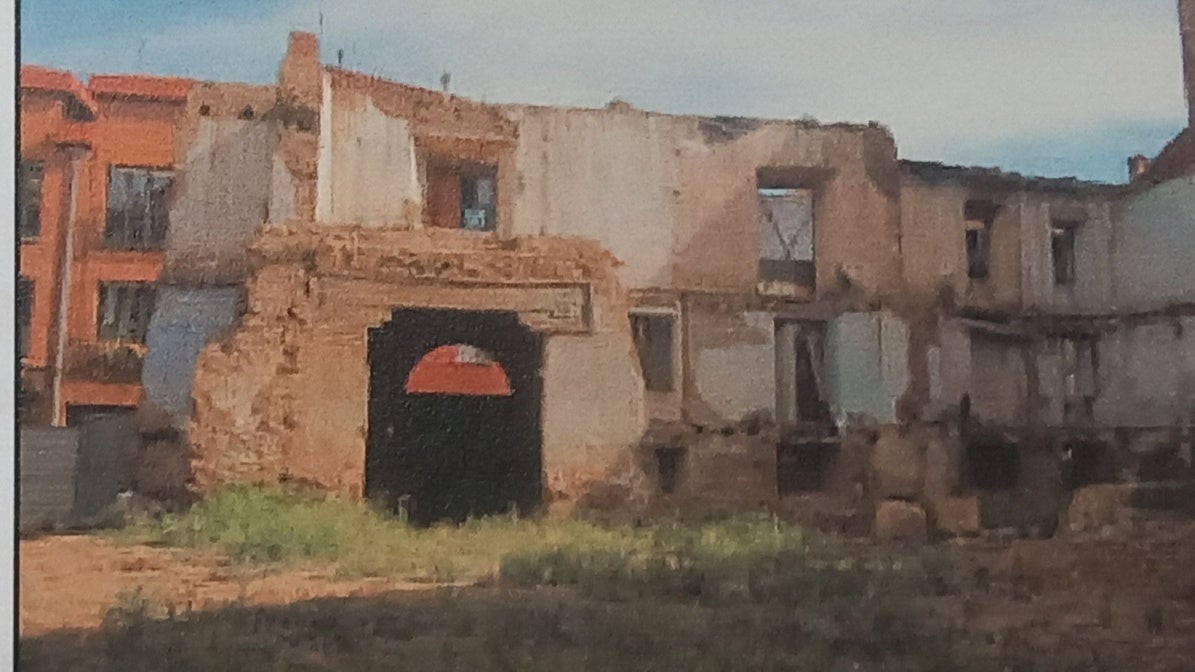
[
  {"x": 793, "y": 268},
  {"x": 652, "y": 383},
  {"x": 26, "y": 299},
  {"x": 25, "y": 205},
  {"x": 1064, "y": 236},
  {"x": 133, "y": 301},
  {"x": 148, "y": 236}
]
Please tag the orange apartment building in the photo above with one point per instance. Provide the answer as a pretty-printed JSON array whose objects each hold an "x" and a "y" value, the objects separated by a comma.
[{"x": 94, "y": 185}]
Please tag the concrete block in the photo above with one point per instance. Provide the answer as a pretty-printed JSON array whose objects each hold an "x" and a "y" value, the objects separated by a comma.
[{"x": 900, "y": 520}]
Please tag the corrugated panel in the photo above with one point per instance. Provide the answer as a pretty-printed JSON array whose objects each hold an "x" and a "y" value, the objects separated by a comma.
[{"x": 48, "y": 459}]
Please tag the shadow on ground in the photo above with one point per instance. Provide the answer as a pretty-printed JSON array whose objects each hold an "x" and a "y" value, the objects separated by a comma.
[{"x": 493, "y": 629}]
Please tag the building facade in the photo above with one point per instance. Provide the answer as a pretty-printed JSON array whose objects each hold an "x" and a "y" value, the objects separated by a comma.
[
  {"x": 461, "y": 308},
  {"x": 95, "y": 176}
]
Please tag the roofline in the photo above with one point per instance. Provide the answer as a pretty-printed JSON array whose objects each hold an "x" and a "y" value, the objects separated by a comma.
[{"x": 934, "y": 172}]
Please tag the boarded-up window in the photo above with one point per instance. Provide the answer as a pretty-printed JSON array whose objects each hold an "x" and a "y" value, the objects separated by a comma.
[
  {"x": 980, "y": 216},
  {"x": 786, "y": 235},
  {"x": 124, "y": 311},
  {"x": 29, "y": 198},
  {"x": 1062, "y": 252},
  {"x": 653, "y": 339},
  {"x": 24, "y": 314},
  {"x": 138, "y": 208}
]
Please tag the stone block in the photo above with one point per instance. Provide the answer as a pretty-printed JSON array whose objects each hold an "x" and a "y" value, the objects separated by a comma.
[
  {"x": 1097, "y": 506},
  {"x": 898, "y": 466},
  {"x": 956, "y": 516},
  {"x": 900, "y": 520}
]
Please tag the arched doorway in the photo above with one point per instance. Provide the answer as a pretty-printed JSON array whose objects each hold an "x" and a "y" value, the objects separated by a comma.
[{"x": 454, "y": 416}]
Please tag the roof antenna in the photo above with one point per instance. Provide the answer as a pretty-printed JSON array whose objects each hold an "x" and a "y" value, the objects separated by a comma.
[
  {"x": 445, "y": 79},
  {"x": 340, "y": 58}
]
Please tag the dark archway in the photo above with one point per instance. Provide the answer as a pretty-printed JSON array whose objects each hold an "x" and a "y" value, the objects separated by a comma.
[{"x": 441, "y": 444}]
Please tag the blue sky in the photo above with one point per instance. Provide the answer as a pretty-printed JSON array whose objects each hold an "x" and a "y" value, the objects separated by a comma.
[{"x": 1061, "y": 87}]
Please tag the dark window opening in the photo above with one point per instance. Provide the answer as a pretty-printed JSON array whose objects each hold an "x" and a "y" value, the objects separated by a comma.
[
  {"x": 24, "y": 314},
  {"x": 1164, "y": 463},
  {"x": 991, "y": 463},
  {"x": 29, "y": 193},
  {"x": 1088, "y": 463},
  {"x": 138, "y": 208},
  {"x": 462, "y": 195},
  {"x": 801, "y": 467},
  {"x": 247, "y": 113},
  {"x": 979, "y": 217},
  {"x": 786, "y": 235},
  {"x": 669, "y": 462},
  {"x": 979, "y": 245},
  {"x": 653, "y": 340},
  {"x": 1062, "y": 252},
  {"x": 125, "y": 309}
]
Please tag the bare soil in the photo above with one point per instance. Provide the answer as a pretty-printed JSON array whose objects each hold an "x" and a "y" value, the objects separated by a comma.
[{"x": 1112, "y": 602}]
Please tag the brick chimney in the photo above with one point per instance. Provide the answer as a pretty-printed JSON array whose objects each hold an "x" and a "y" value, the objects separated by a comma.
[
  {"x": 300, "y": 75},
  {"x": 1186, "y": 21}
]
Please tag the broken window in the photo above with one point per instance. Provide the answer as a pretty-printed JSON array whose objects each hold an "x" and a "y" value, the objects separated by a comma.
[
  {"x": 125, "y": 309},
  {"x": 138, "y": 208},
  {"x": 1080, "y": 364},
  {"x": 799, "y": 373},
  {"x": 668, "y": 467},
  {"x": 462, "y": 195},
  {"x": 801, "y": 467},
  {"x": 29, "y": 198},
  {"x": 1088, "y": 463},
  {"x": 979, "y": 217},
  {"x": 24, "y": 314},
  {"x": 991, "y": 462},
  {"x": 786, "y": 235},
  {"x": 1062, "y": 252},
  {"x": 653, "y": 340}
]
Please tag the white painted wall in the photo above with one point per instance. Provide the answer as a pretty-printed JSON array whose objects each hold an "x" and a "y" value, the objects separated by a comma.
[
  {"x": 371, "y": 176},
  {"x": 1155, "y": 247}
]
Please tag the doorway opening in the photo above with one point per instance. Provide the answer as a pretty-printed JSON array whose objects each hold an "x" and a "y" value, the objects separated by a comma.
[{"x": 454, "y": 415}]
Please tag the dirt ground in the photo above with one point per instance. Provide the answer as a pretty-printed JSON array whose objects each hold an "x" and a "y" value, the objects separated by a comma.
[{"x": 1112, "y": 602}]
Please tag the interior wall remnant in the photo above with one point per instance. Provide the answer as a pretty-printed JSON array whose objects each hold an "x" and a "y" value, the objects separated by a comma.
[
  {"x": 732, "y": 365},
  {"x": 374, "y": 172},
  {"x": 185, "y": 320},
  {"x": 867, "y": 365}
]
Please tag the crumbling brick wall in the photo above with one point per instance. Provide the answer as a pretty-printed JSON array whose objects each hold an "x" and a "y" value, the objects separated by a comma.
[{"x": 287, "y": 395}]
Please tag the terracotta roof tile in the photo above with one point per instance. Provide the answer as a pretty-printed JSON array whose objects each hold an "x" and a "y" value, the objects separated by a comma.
[
  {"x": 141, "y": 86},
  {"x": 39, "y": 78}
]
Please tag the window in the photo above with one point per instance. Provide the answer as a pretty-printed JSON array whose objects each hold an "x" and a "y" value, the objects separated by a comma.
[
  {"x": 29, "y": 198},
  {"x": 669, "y": 463},
  {"x": 786, "y": 235},
  {"x": 477, "y": 199},
  {"x": 24, "y": 314},
  {"x": 461, "y": 195},
  {"x": 979, "y": 217},
  {"x": 1062, "y": 251},
  {"x": 124, "y": 311},
  {"x": 138, "y": 208},
  {"x": 653, "y": 339}
]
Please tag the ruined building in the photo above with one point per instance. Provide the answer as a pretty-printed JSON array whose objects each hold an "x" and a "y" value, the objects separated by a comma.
[{"x": 459, "y": 308}]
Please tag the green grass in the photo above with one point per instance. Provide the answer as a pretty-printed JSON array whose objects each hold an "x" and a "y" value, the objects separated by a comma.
[{"x": 746, "y": 592}]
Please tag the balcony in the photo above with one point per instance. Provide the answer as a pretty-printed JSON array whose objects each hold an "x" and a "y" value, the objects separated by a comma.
[{"x": 104, "y": 362}]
